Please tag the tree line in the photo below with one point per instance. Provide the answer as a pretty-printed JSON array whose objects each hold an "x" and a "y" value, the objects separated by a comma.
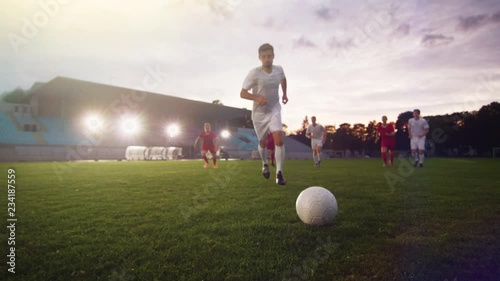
[{"x": 458, "y": 134}]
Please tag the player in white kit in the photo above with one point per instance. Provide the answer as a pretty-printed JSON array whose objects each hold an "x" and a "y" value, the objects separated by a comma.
[
  {"x": 417, "y": 130},
  {"x": 317, "y": 133},
  {"x": 264, "y": 81}
]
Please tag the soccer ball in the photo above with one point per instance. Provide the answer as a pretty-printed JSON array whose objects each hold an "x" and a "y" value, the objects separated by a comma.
[{"x": 316, "y": 206}]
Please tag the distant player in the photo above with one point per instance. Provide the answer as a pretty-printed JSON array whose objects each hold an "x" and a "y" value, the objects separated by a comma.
[
  {"x": 388, "y": 142},
  {"x": 417, "y": 130},
  {"x": 264, "y": 81},
  {"x": 317, "y": 133},
  {"x": 270, "y": 146},
  {"x": 210, "y": 143}
]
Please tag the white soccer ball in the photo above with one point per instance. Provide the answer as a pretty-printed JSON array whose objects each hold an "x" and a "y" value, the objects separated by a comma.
[{"x": 316, "y": 206}]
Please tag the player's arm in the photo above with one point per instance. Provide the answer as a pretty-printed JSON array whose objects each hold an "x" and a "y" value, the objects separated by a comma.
[
  {"x": 284, "y": 88},
  {"x": 216, "y": 143},
  {"x": 308, "y": 132},
  {"x": 426, "y": 130},
  {"x": 244, "y": 94},
  {"x": 409, "y": 130},
  {"x": 392, "y": 132},
  {"x": 196, "y": 142}
]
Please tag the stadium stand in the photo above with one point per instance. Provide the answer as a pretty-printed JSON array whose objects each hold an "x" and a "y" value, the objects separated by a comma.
[{"x": 48, "y": 125}]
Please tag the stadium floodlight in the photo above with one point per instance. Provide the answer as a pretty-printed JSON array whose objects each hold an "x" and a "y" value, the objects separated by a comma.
[
  {"x": 130, "y": 126},
  {"x": 93, "y": 122},
  {"x": 225, "y": 134},
  {"x": 173, "y": 130}
]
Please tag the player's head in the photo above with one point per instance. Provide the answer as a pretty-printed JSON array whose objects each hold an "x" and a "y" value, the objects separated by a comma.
[
  {"x": 207, "y": 127},
  {"x": 266, "y": 55},
  {"x": 384, "y": 119},
  {"x": 416, "y": 113},
  {"x": 313, "y": 120}
]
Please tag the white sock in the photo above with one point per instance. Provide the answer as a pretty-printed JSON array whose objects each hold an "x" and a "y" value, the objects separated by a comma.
[
  {"x": 318, "y": 156},
  {"x": 415, "y": 156},
  {"x": 279, "y": 153},
  {"x": 422, "y": 156},
  {"x": 314, "y": 158},
  {"x": 263, "y": 154}
]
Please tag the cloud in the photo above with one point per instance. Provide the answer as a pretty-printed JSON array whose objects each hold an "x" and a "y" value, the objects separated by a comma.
[
  {"x": 334, "y": 43},
  {"x": 303, "y": 42},
  {"x": 326, "y": 13},
  {"x": 472, "y": 22},
  {"x": 436, "y": 40},
  {"x": 495, "y": 18},
  {"x": 402, "y": 30}
]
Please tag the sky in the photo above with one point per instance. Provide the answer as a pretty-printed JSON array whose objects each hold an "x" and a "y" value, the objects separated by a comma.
[{"x": 345, "y": 61}]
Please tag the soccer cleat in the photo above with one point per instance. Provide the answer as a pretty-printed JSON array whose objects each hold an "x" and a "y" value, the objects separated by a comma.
[
  {"x": 205, "y": 166},
  {"x": 319, "y": 163},
  {"x": 384, "y": 165},
  {"x": 421, "y": 165},
  {"x": 416, "y": 163},
  {"x": 215, "y": 166},
  {"x": 265, "y": 171},
  {"x": 279, "y": 179}
]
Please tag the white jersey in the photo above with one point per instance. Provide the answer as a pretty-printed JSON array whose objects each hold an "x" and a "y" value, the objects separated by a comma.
[
  {"x": 265, "y": 84},
  {"x": 417, "y": 126},
  {"x": 316, "y": 131}
]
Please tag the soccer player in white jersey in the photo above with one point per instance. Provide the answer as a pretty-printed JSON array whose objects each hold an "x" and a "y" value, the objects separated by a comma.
[
  {"x": 317, "y": 133},
  {"x": 417, "y": 130},
  {"x": 264, "y": 81}
]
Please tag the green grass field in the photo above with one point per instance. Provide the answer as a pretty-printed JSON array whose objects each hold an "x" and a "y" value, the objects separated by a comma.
[{"x": 178, "y": 221}]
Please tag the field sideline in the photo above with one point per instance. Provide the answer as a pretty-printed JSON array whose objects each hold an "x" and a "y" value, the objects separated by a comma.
[{"x": 175, "y": 220}]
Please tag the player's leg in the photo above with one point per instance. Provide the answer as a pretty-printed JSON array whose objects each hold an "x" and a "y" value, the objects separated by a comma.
[
  {"x": 204, "y": 156},
  {"x": 263, "y": 156},
  {"x": 383, "y": 152},
  {"x": 318, "y": 153},
  {"x": 280, "y": 156},
  {"x": 214, "y": 157},
  {"x": 314, "y": 153},
  {"x": 421, "y": 151},
  {"x": 414, "y": 147},
  {"x": 391, "y": 148}
]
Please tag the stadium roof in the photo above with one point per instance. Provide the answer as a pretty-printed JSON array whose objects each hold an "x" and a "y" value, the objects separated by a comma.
[{"x": 85, "y": 92}]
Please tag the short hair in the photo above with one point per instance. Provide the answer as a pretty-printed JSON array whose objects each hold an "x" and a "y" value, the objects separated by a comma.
[
  {"x": 384, "y": 117},
  {"x": 266, "y": 47},
  {"x": 417, "y": 110},
  {"x": 208, "y": 124},
  {"x": 313, "y": 117}
]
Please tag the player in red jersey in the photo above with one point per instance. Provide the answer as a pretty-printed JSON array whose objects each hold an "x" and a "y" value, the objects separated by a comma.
[
  {"x": 388, "y": 143},
  {"x": 210, "y": 143},
  {"x": 270, "y": 146}
]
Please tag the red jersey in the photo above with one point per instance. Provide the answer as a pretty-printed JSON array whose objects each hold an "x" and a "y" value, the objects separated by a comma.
[
  {"x": 208, "y": 140},
  {"x": 383, "y": 131}
]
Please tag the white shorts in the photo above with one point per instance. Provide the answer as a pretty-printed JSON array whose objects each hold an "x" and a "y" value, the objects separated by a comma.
[
  {"x": 417, "y": 143},
  {"x": 316, "y": 142},
  {"x": 264, "y": 124}
]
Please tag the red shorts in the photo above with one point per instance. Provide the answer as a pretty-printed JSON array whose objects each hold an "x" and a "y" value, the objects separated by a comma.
[
  {"x": 391, "y": 145},
  {"x": 209, "y": 148}
]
